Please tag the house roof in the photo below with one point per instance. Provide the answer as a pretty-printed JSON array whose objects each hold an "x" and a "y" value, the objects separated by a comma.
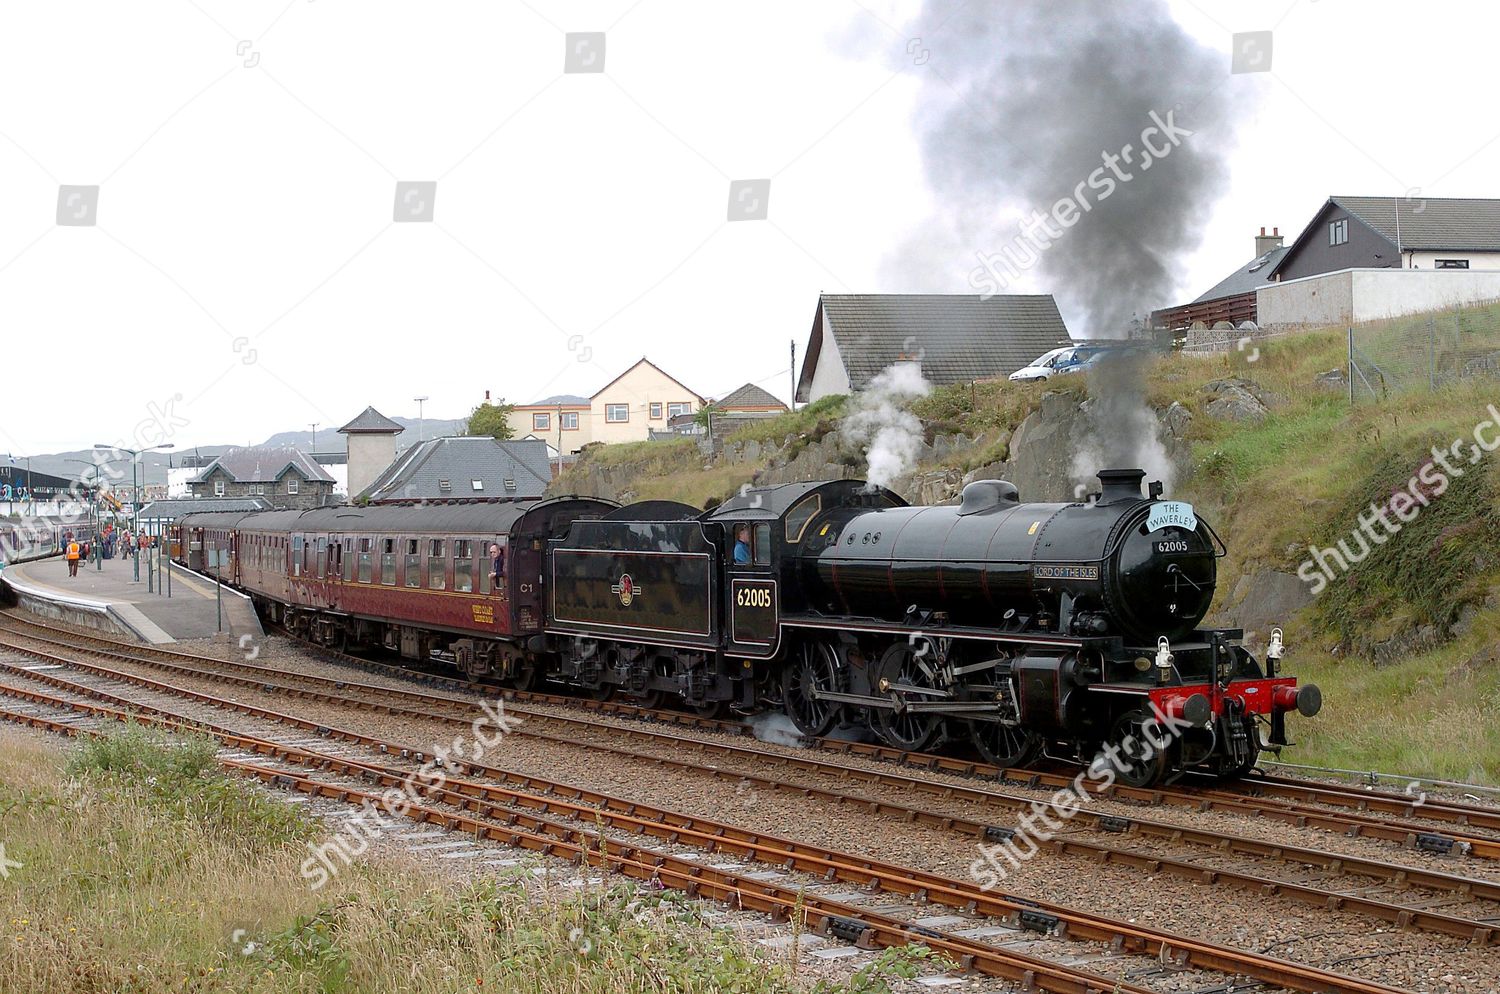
[
  {"x": 1470, "y": 224},
  {"x": 958, "y": 337},
  {"x": 647, "y": 362},
  {"x": 750, "y": 397},
  {"x": 1442, "y": 224},
  {"x": 1251, "y": 276},
  {"x": 177, "y": 508},
  {"x": 371, "y": 421},
  {"x": 418, "y": 473},
  {"x": 263, "y": 465}
]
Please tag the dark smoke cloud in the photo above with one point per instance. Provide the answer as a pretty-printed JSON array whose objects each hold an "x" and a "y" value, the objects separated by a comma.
[{"x": 1018, "y": 100}]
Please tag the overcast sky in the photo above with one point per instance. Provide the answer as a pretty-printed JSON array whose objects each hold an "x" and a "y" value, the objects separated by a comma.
[{"x": 243, "y": 262}]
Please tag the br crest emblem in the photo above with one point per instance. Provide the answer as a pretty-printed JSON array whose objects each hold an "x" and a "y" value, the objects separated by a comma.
[{"x": 626, "y": 589}]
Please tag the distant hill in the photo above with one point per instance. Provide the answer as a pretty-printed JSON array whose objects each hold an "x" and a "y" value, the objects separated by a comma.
[
  {"x": 329, "y": 440},
  {"x": 154, "y": 464}
]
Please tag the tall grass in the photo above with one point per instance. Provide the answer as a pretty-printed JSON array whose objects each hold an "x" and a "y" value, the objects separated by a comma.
[{"x": 144, "y": 870}]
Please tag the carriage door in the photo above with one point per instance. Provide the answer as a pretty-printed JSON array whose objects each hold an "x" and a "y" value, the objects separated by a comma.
[
  {"x": 523, "y": 572},
  {"x": 751, "y": 615},
  {"x": 195, "y": 549},
  {"x": 335, "y": 569}
]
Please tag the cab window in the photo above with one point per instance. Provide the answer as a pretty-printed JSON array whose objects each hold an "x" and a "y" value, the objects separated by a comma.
[
  {"x": 761, "y": 543},
  {"x": 798, "y": 517}
]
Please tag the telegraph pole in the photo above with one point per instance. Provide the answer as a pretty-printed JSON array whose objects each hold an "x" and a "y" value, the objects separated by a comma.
[{"x": 793, "y": 405}]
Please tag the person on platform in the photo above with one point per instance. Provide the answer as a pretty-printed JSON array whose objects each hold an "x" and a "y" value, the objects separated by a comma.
[
  {"x": 72, "y": 553},
  {"x": 742, "y": 545},
  {"x": 497, "y": 570}
]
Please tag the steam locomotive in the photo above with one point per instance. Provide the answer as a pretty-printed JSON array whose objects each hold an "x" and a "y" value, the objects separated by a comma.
[{"x": 1024, "y": 629}]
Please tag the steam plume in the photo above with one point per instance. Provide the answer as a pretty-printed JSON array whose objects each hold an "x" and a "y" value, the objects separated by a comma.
[
  {"x": 1023, "y": 101},
  {"x": 880, "y": 422},
  {"x": 1020, "y": 105}
]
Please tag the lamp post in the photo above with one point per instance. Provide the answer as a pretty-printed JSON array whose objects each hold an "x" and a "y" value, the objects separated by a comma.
[
  {"x": 135, "y": 507},
  {"x": 421, "y": 422}
]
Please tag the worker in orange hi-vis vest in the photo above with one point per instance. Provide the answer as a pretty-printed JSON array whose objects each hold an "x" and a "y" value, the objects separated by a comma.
[{"x": 72, "y": 558}]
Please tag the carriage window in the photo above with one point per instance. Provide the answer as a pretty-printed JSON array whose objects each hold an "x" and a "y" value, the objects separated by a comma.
[
  {"x": 297, "y": 541},
  {"x": 413, "y": 567},
  {"x": 484, "y": 565},
  {"x": 322, "y": 557},
  {"x": 437, "y": 565},
  {"x": 364, "y": 567},
  {"x": 762, "y": 543},
  {"x": 388, "y": 562},
  {"x": 798, "y": 517},
  {"x": 347, "y": 557},
  {"x": 463, "y": 565}
]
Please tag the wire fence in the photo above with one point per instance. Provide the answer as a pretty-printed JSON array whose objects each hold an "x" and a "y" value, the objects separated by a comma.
[{"x": 1422, "y": 352}]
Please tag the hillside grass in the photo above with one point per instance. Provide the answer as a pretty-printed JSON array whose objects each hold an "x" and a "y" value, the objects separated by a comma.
[
  {"x": 143, "y": 869},
  {"x": 1433, "y": 714},
  {"x": 1300, "y": 478},
  {"x": 812, "y": 421}
]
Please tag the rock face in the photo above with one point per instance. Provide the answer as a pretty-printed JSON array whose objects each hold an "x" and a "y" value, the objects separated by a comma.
[
  {"x": 1041, "y": 455},
  {"x": 1334, "y": 379},
  {"x": 1045, "y": 444},
  {"x": 1260, "y": 601},
  {"x": 1238, "y": 399}
]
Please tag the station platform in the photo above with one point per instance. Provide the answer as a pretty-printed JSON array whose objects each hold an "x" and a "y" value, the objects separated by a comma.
[{"x": 111, "y": 600}]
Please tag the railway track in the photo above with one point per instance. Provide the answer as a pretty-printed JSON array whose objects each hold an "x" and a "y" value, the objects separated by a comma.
[
  {"x": 1423, "y": 825},
  {"x": 554, "y": 818},
  {"x": 1408, "y": 916},
  {"x": 1407, "y": 833}
]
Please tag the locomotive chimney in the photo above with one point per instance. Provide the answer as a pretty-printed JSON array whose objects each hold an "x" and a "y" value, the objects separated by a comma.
[{"x": 1120, "y": 484}]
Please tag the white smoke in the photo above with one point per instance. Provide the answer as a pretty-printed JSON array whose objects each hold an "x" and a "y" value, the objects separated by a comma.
[
  {"x": 776, "y": 728},
  {"x": 880, "y": 423}
]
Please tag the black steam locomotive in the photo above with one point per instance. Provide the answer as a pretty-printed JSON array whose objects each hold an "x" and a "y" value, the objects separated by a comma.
[
  {"x": 1022, "y": 628},
  {"x": 1019, "y": 627}
]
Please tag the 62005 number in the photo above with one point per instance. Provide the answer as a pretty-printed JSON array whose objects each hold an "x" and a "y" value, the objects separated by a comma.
[{"x": 753, "y": 597}]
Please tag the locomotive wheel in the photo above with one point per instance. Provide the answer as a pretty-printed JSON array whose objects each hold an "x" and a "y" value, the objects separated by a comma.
[
  {"x": 1140, "y": 761},
  {"x": 655, "y": 698},
  {"x": 813, "y": 666},
  {"x": 912, "y": 731},
  {"x": 1003, "y": 745},
  {"x": 711, "y": 709}
]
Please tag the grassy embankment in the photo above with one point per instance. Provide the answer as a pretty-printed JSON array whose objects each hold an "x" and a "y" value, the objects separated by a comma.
[
  {"x": 677, "y": 470},
  {"x": 1301, "y": 477},
  {"x": 146, "y": 870},
  {"x": 1276, "y": 487}
]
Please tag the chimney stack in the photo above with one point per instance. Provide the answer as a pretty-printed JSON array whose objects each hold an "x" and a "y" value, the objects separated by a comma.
[
  {"x": 1265, "y": 243},
  {"x": 487, "y": 393}
]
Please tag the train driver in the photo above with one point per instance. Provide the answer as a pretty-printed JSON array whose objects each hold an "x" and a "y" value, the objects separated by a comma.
[{"x": 742, "y": 545}]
